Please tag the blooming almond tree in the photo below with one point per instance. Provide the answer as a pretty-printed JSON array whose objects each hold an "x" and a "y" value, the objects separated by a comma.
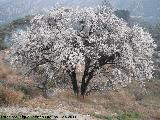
[{"x": 67, "y": 37}]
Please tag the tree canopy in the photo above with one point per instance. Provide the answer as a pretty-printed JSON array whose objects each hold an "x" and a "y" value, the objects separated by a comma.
[{"x": 91, "y": 37}]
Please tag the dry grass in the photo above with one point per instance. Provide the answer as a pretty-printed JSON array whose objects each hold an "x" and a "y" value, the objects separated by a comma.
[
  {"x": 10, "y": 97},
  {"x": 104, "y": 104},
  {"x": 108, "y": 104},
  {"x": 4, "y": 71},
  {"x": 10, "y": 79}
]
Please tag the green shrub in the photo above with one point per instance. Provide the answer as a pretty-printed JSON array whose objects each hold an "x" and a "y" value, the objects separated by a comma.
[
  {"x": 129, "y": 116},
  {"x": 102, "y": 117},
  {"x": 2, "y": 44},
  {"x": 123, "y": 116}
]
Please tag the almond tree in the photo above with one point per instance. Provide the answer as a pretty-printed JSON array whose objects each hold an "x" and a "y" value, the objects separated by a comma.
[{"x": 65, "y": 37}]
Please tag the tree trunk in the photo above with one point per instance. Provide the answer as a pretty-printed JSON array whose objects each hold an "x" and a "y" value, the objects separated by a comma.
[
  {"x": 44, "y": 93},
  {"x": 72, "y": 75},
  {"x": 83, "y": 86},
  {"x": 85, "y": 82},
  {"x": 87, "y": 76}
]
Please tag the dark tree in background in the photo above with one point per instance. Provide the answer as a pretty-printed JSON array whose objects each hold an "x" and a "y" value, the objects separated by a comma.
[{"x": 124, "y": 14}]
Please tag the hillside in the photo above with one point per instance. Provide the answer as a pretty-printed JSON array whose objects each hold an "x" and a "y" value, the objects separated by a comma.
[
  {"x": 131, "y": 103},
  {"x": 14, "y": 9},
  {"x": 144, "y": 8}
]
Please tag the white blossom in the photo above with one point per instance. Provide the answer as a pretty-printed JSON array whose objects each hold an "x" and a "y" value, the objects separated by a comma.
[{"x": 65, "y": 36}]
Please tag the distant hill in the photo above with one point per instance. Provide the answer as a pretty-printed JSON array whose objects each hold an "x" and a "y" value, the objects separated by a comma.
[
  {"x": 149, "y": 9},
  {"x": 14, "y": 9}
]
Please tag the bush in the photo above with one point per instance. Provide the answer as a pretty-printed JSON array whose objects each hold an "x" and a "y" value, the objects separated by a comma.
[
  {"x": 124, "y": 116},
  {"x": 2, "y": 44},
  {"x": 10, "y": 97},
  {"x": 29, "y": 91},
  {"x": 129, "y": 116}
]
